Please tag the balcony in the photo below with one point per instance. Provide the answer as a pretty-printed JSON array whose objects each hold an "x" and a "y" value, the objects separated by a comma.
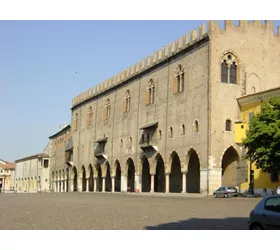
[
  {"x": 99, "y": 151},
  {"x": 148, "y": 145}
]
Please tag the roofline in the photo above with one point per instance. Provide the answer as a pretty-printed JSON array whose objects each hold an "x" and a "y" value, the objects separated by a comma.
[
  {"x": 60, "y": 131},
  {"x": 252, "y": 98},
  {"x": 204, "y": 39},
  {"x": 41, "y": 155}
]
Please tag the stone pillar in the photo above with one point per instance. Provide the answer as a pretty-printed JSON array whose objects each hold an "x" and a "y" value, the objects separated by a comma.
[
  {"x": 94, "y": 184},
  {"x": 152, "y": 183},
  {"x": 113, "y": 184},
  {"x": 65, "y": 185},
  {"x": 87, "y": 184},
  {"x": 184, "y": 182},
  {"x": 103, "y": 184},
  {"x": 80, "y": 188},
  {"x": 167, "y": 183},
  {"x": 123, "y": 183},
  {"x": 71, "y": 185}
]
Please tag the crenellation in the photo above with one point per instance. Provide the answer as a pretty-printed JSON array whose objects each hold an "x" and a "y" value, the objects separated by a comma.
[
  {"x": 93, "y": 91},
  {"x": 166, "y": 51},
  {"x": 193, "y": 35},
  {"x": 181, "y": 43},
  {"x": 269, "y": 26},
  {"x": 173, "y": 47},
  {"x": 229, "y": 24},
  {"x": 154, "y": 58},
  {"x": 187, "y": 39},
  {"x": 148, "y": 60},
  {"x": 201, "y": 31},
  {"x": 213, "y": 27}
]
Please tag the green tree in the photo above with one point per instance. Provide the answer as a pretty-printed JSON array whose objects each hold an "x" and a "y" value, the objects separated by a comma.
[{"x": 263, "y": 138}]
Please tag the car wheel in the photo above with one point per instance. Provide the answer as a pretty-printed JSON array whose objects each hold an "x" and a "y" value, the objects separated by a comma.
[{"x": 256, "y": 227}]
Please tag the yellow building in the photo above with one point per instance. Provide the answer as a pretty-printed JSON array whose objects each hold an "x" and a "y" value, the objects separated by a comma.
[{"x": 250, "y": 105}]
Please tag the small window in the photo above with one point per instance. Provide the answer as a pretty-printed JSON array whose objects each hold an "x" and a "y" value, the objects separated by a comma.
[
  {"x": 46, "y": 180},
  {"x": 121, "y": 142},
  {"x": 196, "y": 126},
  {"x": 170, "y": 132},
  {"x": 228, "y": 125},
  {"x": 273, "y": 204},
  {"x": 130, "y": 142},
  {"x": 183, "y": 129},
  {"x": 159, "y": 134},
  {"x": 242, "y": 126}
]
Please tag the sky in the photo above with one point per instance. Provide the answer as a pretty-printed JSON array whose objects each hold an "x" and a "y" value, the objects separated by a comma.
[{"x": 45, "y": 64}]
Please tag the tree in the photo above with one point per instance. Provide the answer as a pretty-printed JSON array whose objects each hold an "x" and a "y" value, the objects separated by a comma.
[{"x": 263, "y": 138}]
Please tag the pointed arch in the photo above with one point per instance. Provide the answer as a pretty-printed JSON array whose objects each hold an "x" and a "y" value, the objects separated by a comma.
[
  {"x": 175, "y": 184},
  {"x": 117, "y": 167},
  {"x": 229, "y": 164},
  {"x": 159, "y": 174},
  {"x": 130, "y": 175},
  {"x": 193, "y": 172},
  {"x": 145, "y": 175}
]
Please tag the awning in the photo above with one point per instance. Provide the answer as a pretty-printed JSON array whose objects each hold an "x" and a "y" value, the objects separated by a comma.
[
  {"x": 102, "y": 140},
  {"x": 154, "y": 124},
  {"x": 69, "y": 145}
]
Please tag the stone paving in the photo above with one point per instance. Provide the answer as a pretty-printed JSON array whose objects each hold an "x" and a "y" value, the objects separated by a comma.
[{"x": 122, "y": 211}]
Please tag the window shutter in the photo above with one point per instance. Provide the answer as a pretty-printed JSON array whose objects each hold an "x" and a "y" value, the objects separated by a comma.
[{"x": 147, "y": 97}]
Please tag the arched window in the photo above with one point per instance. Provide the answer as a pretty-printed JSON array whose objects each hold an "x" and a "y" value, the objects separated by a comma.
[
  {"x": 126, "y": 103},
  {"x": 228, "y": 125},
  {"x": 130, "y": 142},
  {"x": 150, "y": 92},
  {"x": 229, "y": 69},
  {"x": 107, "y": 110},
  {"x": 253, "y": 90},
  {"x": 90, "y": 116},
  {"x": 183, "y": 129},
  {"x": 178, "y": 82},
  {"x": 76, "y": 122}
]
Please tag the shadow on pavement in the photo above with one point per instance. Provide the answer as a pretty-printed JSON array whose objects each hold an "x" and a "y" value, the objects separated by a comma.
[{"x": 233, "y": 223}]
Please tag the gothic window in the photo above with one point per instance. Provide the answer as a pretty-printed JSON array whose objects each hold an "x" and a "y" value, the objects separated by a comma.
[
  {"x": 90, "y": 116},
  {"x": 107, "y": 110},
  {"x": 76, "y": 122},
  {"x": 229, "y": 69},
  {"x": 178, "y": 81},
  {"x": 150, "y": 92},
  {"x": 126, "y": 103},
  {"x": 228, "y": 125}
]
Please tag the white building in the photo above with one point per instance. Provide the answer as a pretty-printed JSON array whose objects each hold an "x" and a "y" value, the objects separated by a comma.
[
  {"x": 7, "y": 173},
  {"x": 32, "y": 173}
]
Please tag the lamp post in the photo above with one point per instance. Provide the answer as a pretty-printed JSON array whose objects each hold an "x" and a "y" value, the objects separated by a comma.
[{"x": 251, "y": 179}]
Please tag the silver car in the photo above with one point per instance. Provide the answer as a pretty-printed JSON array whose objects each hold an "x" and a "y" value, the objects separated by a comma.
[
  {"x": 266, "y": 214},
  {"x": 226, "y": 191}
]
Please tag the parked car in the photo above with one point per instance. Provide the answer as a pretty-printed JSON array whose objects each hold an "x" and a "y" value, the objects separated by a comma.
[
  {"x": 266, "y": 214},
  {"x": 278, "y": 190},
  {"x": 226, "y": 192}
]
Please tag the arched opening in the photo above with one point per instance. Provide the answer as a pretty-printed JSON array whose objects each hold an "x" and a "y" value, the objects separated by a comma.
[
  {"x": 91, "y": 180},
  {"x": 130, "y": 175},
  {"x": 229, "y": 167},
  {"x": 75, "y": 179},
  {"x": 146, "y": 178},
  {"x": 118, "y": 177},
  {"x": 84, "y": 180},
  {"x": 160, "y": 175},
  {"x": 108, "y": 182},
  {"x": 193, "y": 175},
  {"x": 176, "y": 175}
]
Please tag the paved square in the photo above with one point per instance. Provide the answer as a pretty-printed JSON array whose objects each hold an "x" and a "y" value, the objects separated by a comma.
[{"x": 122, "y": 211}]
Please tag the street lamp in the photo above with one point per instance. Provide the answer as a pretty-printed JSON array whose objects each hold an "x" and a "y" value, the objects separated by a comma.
[{"x": 251, "y": 179}]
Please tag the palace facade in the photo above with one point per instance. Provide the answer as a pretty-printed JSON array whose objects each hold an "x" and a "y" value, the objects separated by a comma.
[{"x": 167, "y": 123}]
